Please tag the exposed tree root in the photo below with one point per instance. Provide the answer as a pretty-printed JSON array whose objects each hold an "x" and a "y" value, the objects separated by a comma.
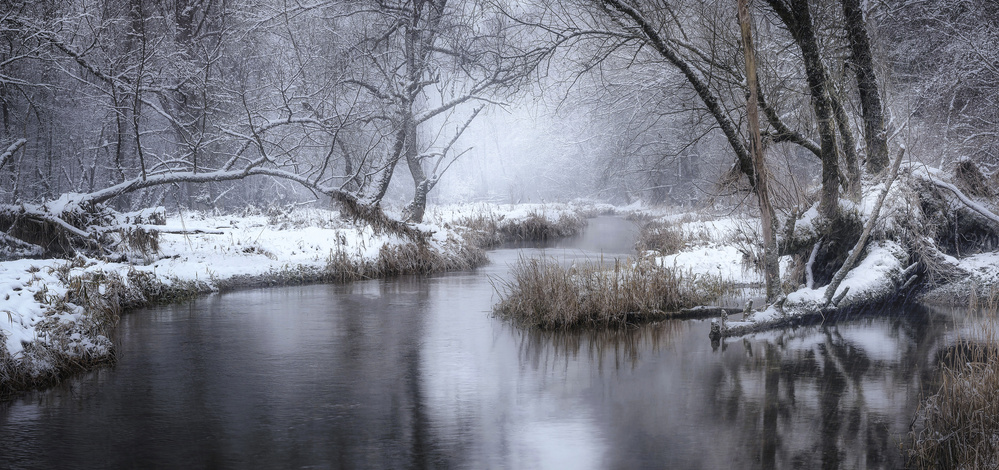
[{"x": 913, "y": 249}]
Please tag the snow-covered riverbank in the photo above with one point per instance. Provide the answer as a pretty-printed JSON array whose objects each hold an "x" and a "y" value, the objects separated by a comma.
[{"x": 56, "y": 315}]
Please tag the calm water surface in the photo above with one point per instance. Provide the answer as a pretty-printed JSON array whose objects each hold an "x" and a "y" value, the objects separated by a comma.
[{"x": 415, "y": 373}]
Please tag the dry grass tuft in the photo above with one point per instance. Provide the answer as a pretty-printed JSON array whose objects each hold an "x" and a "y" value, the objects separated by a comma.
[
  {"x": 958, "y": 427},
  {"x": 547, "y": 295},
  {"x": 481, "y": 230},
  {"x": 971, "y": 179},
  {"x": 418, "y": 258},
  {"x": 539, "y": 227},
  {"x": 139, "y": 239},
  {"x": 487, "y": 231},
  {"x": 960, "y": 423},
  {"x": 663, "y": 237}
]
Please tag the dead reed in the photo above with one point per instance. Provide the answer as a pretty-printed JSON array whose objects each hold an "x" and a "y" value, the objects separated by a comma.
[
  {"x": 958, "y": 426},
  {"x": 544, "y": 294},
  {"x": 537, "y": 226},
  {"x": 665, "y": 238},
  {"x": 489, "y": 230}
]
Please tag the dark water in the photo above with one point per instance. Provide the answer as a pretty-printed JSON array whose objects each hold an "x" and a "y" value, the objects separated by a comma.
[{"x": 415, "y": 373}]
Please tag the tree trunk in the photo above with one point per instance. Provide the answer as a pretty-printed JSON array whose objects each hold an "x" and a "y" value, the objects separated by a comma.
[
  {"x": 416, "y": 209},
  {"x": 875, "y": 135},
  {"x": 381, "y": 187},
  {"x": 849, "y": 147},
  {"x": 414, "y": 212},
  {"x": 816, "y": 77},
  {"x": 767, "y": 219},
  {"x": 798, "y": 19}
]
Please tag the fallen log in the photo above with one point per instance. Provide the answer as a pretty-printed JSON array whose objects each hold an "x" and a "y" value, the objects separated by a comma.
[{"x": 706, "y": 311}]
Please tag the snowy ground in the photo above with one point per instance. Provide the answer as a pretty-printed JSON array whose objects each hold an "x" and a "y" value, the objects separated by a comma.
[
  {"x": 717, "y": 246},
  {"x": 220, "y": 248}
]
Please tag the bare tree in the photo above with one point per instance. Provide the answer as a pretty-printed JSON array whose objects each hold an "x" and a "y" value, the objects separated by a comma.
[
  {"x": 768, "y": 221},
  {"x": 200, "y": 94}
]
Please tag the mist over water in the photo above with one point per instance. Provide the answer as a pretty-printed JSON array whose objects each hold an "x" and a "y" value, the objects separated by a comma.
[{"x": 414, "y": 372}]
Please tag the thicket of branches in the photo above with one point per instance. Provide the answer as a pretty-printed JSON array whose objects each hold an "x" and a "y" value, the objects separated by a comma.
[
  {"x": 112, "y": 105},
  {"x": 128, "y": 104}
]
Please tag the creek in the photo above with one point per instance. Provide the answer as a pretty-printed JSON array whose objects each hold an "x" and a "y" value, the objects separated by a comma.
[{"x": 414, "y": 372}]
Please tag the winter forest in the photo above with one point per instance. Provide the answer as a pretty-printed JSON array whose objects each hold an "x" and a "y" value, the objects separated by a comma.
[{"x": 806, "y": 189}]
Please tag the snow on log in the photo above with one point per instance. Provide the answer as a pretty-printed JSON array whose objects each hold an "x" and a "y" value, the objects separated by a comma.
[
  {"x": 924, "y": 174},
  {"x": 871, "y": 220}
]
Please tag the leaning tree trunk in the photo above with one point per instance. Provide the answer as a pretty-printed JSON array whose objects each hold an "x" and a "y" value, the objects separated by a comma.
[{"x": 416, "y": 208}]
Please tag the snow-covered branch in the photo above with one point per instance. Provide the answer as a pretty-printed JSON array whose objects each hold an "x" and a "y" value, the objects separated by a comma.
[
  {"x": 980, "y": 209},
  {"x": 9, "y": 153}
]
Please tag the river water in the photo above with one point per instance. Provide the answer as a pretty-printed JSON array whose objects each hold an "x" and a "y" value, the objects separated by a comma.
[{"x": 414, "y": 372}]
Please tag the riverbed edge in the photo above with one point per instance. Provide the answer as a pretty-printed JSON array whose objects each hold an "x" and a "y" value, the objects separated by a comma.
[
  {"x": 74, "y": 336},
  {"x": 83, "y": 299}
]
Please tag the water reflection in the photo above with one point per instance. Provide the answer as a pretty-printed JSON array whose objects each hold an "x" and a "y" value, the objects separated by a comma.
[
  {"x": 833, "y": 396},
  {"x": 415, "y": 373},
  {"x": 623, "y": 347}
]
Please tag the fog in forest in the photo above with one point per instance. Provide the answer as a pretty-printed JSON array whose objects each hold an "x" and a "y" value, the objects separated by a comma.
[{"x": 506, "y": 102}]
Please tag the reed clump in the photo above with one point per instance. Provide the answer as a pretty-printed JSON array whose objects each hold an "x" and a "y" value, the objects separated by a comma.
[
  {"x": 960, "y": 423},
  {"x": 663, "y": 237},
  {"x": 958, "y": 426},
  {"x": 489, "y": 230},
  {"x": 544, "y": 294},
  {"x": 537, "y": 226},
  {"x": 419, "y": 258},
  {"x": 481, "y": 230}
]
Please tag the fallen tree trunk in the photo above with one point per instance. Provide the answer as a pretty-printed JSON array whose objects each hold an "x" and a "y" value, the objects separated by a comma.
[
  {"x": 967, "y": 201},
  {"x": 82, "y": 221},
  {"x": 9, "y": 153}
]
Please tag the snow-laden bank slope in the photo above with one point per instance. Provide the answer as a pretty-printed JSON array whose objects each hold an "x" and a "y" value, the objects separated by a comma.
[{"x": 56, "y": 315}]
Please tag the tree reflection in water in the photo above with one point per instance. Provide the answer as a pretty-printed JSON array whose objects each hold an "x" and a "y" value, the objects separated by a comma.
[{"x": 839, "y": 395}]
